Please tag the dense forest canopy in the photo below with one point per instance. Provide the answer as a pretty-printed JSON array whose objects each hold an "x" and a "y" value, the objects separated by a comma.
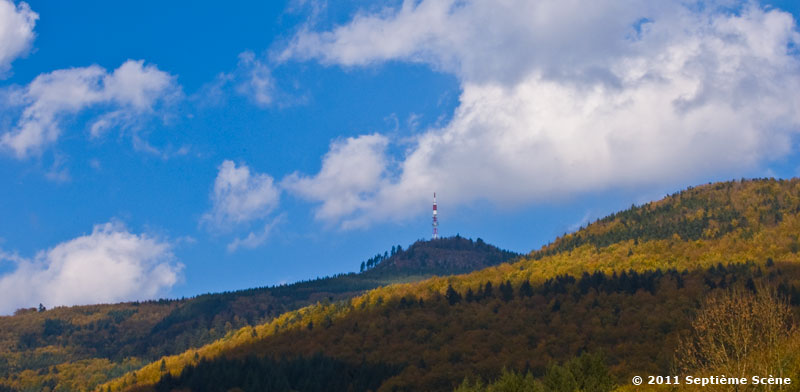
[
  {"x": 605, "y": 291},
  {"x": 74, "y": 348},
  {"x": 628, "y": 280}
]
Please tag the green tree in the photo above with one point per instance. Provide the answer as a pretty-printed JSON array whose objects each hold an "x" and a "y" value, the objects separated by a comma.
[
  {"x": 511, "y": 381},
  {"x": 560, "y": 379},
  {"x": 591, "y": 372},
  {"x": 588, "y": 372}
]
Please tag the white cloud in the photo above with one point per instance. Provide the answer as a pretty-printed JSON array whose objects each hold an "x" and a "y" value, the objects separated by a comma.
[
  {"x": 254, "y": 239},
  {"x": 124, "y": 95},
  {"x": 240, "y": 196},
  {"x": 352, "y": 172},
  {"x": 564, "y": 97},
  {"x": 109, "y": 265},
  {"x": 251, "y": 79},
  {"x": 16, "y": 32},
  {"x": 485, "y": 40},
  {"x": 13, "y": 257},
  {"x": 58, "y": 172},
  {"x": 255, "y": 79}
]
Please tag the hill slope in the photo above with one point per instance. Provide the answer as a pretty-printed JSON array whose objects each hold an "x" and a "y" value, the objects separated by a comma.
[
  {"x": 618, "y": 286},
  {"x": 75, "y": 348}
]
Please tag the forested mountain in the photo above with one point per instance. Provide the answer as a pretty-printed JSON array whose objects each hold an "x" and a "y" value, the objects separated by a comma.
[
  {"x": 443, "y": 256},
  {"x": 649, "y": 290},
  {"x": 74, "y": 348}
]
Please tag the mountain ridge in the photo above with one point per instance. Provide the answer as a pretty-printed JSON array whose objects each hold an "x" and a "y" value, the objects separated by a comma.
[
  {"x": 700, "y": 231},
  {"x": 105, "y": 340}
]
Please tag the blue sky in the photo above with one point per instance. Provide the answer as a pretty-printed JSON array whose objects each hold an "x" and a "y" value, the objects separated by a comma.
[{"x": 155, "y": 149}]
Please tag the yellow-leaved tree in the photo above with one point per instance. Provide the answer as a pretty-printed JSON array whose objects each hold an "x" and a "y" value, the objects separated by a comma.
[{"x": 741, "y": 333}]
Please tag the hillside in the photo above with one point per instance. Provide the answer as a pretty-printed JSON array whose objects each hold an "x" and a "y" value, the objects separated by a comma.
[
  {"x": 73, "y": 348},
  {"x": 630, "y": 286}
]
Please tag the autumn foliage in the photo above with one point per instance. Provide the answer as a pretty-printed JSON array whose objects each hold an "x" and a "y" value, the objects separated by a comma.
[{"x": 648, "y": 287}]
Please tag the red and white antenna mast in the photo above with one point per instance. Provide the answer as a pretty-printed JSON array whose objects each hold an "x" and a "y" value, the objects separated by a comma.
[{"x": 435, "y": 219}]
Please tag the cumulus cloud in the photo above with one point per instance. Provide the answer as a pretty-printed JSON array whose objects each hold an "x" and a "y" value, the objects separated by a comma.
[
  {"x": 109, "y": 265},
  {"x": 122, "y": 96},
  {"x": 16, "y": 32},
  {"x": 556, "y": 101},
  {"x": 352, "y": 172},
  {"x": 483, "y": 40},
  {"x": 240, "y": 196}
]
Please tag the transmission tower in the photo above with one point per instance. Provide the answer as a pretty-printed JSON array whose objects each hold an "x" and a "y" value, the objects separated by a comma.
[{"x": 435, "y": 219}]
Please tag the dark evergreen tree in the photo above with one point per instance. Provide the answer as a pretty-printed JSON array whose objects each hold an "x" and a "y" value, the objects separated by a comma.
[
  {"x": 470, "y": 296},
  {"x": 506, "y": 291},
  {"x": 254, "y": 374},
  {"x": 452, "y": 296},
  {"x": 525, "y": 289},
  {"x": 487, "y": 290}
]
